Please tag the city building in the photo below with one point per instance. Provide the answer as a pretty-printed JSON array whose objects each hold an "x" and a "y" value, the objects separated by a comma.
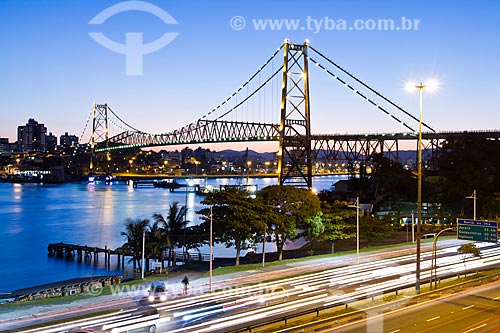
[
  {"x": 6, "y": 146},
  {"x": 51, "y": 142},
  {"x": 68, "y": 141},
  {"x": 31, "y": 137}
]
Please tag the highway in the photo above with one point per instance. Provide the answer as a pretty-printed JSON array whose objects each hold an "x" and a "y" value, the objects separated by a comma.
[
  {"x": 236, "y": 304},
  {"x": 475, "y": 310}
]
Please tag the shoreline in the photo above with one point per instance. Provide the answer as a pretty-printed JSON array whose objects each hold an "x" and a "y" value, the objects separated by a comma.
[
  {"x": 132, "y": 177},
  {"x": 57, "y": 286}
]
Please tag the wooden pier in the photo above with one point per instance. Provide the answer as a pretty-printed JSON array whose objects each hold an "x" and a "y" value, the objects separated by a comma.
[
  {"x": 91, "y": 254},
  {"x": 87, "y": 253}
]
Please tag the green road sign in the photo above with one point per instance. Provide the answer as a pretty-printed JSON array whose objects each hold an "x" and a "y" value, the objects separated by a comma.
[{"x": 476, "y": 230}]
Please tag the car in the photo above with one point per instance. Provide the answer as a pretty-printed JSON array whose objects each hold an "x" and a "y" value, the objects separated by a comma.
[
  {"x": 157, "y": 292},
  {"x": 273, "y": 295}
]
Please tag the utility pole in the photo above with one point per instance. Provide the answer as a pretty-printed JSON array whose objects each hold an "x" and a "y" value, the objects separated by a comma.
[
  {"x": 143, "y": 250},
  {"x": 211, "y": 250},
  {"x": 473, "y": 196}
]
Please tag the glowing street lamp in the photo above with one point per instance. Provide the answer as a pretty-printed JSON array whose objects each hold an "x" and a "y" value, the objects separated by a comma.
[{"x": 430, "y": 85}]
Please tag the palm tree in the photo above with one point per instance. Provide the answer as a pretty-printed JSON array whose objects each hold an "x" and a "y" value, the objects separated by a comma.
[
  {"x": 159, "y": 241},
  {"x": 134, "y": 230},
  {"x": 175, "y": 225}
]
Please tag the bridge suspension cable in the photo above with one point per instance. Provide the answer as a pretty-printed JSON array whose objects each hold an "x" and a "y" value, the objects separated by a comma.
[
  {"x": 243, "y": 86},
  {"x": 252, "y": 94},
  {"x": 368, "y": 87},
  {"x": 75, "y": 149},
  {"x": 123, "y": 122}
]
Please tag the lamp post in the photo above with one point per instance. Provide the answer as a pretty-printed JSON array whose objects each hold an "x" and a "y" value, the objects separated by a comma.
[
  {"x": 473, "y": 196},
  {"x": 264, "y": 247},
  {"x": 190, "y": 183},
  {"x": 184, "y": 229},
  {"x": 211, "y": 251},
  {"x": 143, "y": 250},
  {"x": 434, "y": 259},
  {"x": 357, "y": 229},
  {"x": 420, "y": 86},
  {"x": 249, "y": 163}
]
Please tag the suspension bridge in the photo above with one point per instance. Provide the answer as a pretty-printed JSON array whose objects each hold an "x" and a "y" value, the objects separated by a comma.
[{"x": 249, "y": 115}]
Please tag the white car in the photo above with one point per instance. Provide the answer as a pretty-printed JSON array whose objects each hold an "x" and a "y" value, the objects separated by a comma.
[{"x": 157, "y": 292}]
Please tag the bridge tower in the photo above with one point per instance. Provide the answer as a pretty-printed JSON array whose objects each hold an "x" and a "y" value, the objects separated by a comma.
[
  {"x": 100, "y": 133},
  {"x": 294, "y": 154}
]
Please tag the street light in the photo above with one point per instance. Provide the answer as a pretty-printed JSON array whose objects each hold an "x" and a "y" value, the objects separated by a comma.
[
  {"x": 211, "y": 218},
  {"x": 249, "y": 163},
  {"x": 190, "y": 183},
  {"x": 357, "y": 229},
  {"x": 143, "y": 250},
  {"x": 473, "y": 196},
  {"x": 264, "y": 247},
  {"x": 430, "y": 85},
  {"x": 434, "y": 259}
]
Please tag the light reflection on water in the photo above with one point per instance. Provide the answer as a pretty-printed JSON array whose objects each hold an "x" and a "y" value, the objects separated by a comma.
[{"x": 34, "y": 215}]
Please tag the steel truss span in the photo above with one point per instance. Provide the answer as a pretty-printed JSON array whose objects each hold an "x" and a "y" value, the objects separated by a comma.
[{"x": 203, "y": 131}]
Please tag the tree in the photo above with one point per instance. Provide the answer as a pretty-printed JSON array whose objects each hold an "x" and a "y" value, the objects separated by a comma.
[
  {"x": 174, "y": 225},
  {"x": 134, "y": 230},
  {"x": 236, "y": 219},
  {"x": 315, "y": 229},
  {"x": 375, "y": 228},
  {"x": 158, "y": 241},
  {"x": 290, "y": 209},
  {"x": 468, "y": 164},
  {"x": 337, "y": 221},
  {"x": 465, "y": 250},
  {"x": 391, "y": 182}
]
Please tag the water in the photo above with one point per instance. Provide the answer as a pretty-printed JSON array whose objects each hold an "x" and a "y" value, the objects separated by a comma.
[{"x": 34, "y": 215}]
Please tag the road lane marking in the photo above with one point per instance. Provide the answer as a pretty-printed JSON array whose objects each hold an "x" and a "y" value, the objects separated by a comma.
[
  {"x": 468, "y": 307},
  {"x": 475, "y": 328},
  {"x": 431, "y": 319},
  {"x": 496, "y": 298},
  {"x": 395, "y": 331}
]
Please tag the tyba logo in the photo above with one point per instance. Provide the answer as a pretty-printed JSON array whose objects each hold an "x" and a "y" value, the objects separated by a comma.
[{"x": 134, "y": 49}]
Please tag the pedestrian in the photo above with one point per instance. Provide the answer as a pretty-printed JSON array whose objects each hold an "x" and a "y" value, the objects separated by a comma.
[{"x": 185, "y": 281}]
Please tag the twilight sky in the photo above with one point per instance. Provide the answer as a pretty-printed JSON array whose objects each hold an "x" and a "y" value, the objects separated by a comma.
[{"x": 53, "y": 70}]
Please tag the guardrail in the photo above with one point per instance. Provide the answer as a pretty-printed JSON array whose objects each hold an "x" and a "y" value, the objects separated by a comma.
[{"x": 360, "y": 314}]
